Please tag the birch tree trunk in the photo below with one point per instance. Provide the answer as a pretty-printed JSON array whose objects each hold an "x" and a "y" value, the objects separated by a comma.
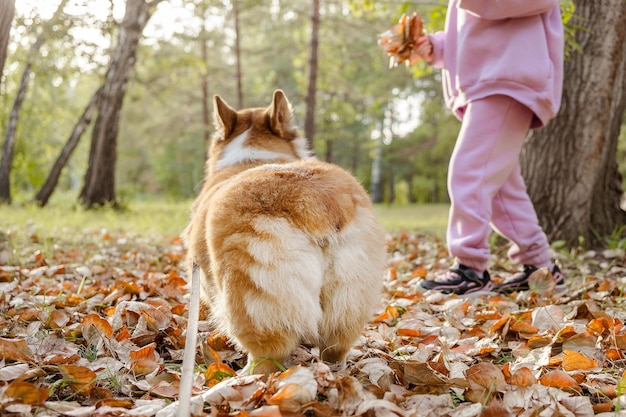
[
  {"x": 99, "y": 184},
  {"x": 309, "y": 121},
  {"x": 570, "y": 166}
]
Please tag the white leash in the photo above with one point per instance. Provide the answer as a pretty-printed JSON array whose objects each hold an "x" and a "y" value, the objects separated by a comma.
[{"x": 189, "y": 357}]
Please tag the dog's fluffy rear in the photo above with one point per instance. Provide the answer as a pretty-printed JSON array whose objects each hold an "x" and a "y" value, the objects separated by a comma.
[{"x": 289, "y": 247}]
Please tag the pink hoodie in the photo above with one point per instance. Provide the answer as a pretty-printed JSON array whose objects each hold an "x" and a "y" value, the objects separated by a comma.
[{"x": 509, "y": 47}]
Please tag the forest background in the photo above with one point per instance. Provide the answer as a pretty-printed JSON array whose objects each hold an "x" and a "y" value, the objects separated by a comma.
[{"x": 388, "y": 126}]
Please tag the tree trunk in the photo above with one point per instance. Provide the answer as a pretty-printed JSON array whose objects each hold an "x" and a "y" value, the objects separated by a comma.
[
  {"x": 238, "y": 75},
  {"x": 7, "y": 11},
  {"x": 204, "y": 76},
  {"x": 8, "y": 148},
  {"x": 376, "y": 183},
  {"x": 46, "y": 190},
  {"x": 410, "y": 194},
  {"x": 309, "y": 121},
  {"x": 570, "y": 166},
  {"x": 99, "y": 186}
]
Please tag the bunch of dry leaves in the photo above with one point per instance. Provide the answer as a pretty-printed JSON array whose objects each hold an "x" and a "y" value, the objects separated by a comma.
[{"x": 98, "y": 329}]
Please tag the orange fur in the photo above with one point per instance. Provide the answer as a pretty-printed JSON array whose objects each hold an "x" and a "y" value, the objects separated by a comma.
[{"x": 289, "y": 246}]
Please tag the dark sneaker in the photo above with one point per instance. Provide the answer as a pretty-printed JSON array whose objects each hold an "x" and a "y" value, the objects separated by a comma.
[
  {"x": 519, "y": 281},
  {"x": 460, "y": 279}
]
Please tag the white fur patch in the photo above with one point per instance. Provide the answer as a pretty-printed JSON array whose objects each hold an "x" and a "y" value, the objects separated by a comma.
[
  {"x": 289, "y": 270},
  {"x": 300, "y": 146},
  {"x": 237, "y": 152}
]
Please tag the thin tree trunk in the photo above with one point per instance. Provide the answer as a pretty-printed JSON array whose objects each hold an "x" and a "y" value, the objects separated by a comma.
[
  {"x": 99, "y": 185},
  {"x": 410, "y": 195},
  {"x": 8, "y": 147},
  {"x": 309, "y": 121},
  {"x": 204, "y": 76},
  {"x": 7, "y": 12},
  {"x": 570, "y": 166},
  {"x": 391, "y": 180},
  {"x": 47, "y": 189},
  {"x": 238, "y": 75}
]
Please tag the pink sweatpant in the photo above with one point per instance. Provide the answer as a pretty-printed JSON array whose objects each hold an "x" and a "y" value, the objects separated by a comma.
[{"x": 487, "y": 189}]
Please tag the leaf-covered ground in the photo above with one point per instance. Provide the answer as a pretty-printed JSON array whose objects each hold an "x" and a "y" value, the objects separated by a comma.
[{"x": 96, "y": 328}]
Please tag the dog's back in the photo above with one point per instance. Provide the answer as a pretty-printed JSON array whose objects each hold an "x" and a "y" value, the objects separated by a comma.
[{"x": 289, "y": 247}]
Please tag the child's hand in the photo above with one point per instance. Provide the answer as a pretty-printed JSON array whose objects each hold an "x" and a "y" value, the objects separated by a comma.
[
  {"x": 423, "y": 49},
  {"x": 399, "y": 41}
]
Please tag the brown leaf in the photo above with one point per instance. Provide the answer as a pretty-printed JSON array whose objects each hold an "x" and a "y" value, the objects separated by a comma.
[
  {"x": 523, "y": 327},
  {"x": 420, "y": 376},
  {"x": 523, "y": 377},
  {"x": 495, "y": 409},
  {"x": 291, "y": 398},
  {"x": 98, "y": 323},
  {"x": 561, "y": 380},
  {"x": 484, "y": 379},
  {"x": 144, "y": 360},
  {"x": 574, "y": 361},
  {"x": 26, "y": 392},
  {"x": 15, "y": 350},
  {"x": 79, "y": 378}
]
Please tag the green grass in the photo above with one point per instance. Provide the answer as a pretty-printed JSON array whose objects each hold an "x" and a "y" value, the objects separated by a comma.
[
  {"x": 163, "y": 218},
  {"x": 429, "y": 218},
  {"x": 166, "y": 218}
]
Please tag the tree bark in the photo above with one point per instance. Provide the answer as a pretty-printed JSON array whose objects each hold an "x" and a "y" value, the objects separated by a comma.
[
  {"x": 309, "y": 121},
  {"x": 7, "y": 12},
  {"x": 570, "y": 166},
  {"x": 8, "y": 147},
  {"x": 47, "y": 189},
  {"x": 99, "y": 184}
]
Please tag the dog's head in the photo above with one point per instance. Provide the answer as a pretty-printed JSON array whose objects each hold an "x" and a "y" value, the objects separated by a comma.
[{"x": 263, "y": 135}]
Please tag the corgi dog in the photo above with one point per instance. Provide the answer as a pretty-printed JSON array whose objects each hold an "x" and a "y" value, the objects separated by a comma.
[{"x": 289, "y": 248}]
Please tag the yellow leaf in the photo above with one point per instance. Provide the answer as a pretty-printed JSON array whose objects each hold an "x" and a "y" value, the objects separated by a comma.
[{"x": 216, "y": 372}]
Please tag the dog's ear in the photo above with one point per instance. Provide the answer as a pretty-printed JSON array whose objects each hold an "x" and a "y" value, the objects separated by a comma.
[
  {"x": 224, "y": 116},
  {"x": 280, "y": 114}
]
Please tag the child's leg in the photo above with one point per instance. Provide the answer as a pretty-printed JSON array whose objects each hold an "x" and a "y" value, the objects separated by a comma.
[
  {"x": 514, "y": 217},
  {"x": 486, "y": 153}
]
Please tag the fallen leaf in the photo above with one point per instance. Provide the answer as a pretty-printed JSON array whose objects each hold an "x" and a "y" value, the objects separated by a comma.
[
  {"x": 574, "y": 361},
  {"x": 523, "y": 377},
  {"x": 15, "y": 350},
  {"x": 26, "y": 392},
  {"x": 144, "y": 360},
  {"x": 561, "y": 380},
  {"x": 80, "y": 378}
]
